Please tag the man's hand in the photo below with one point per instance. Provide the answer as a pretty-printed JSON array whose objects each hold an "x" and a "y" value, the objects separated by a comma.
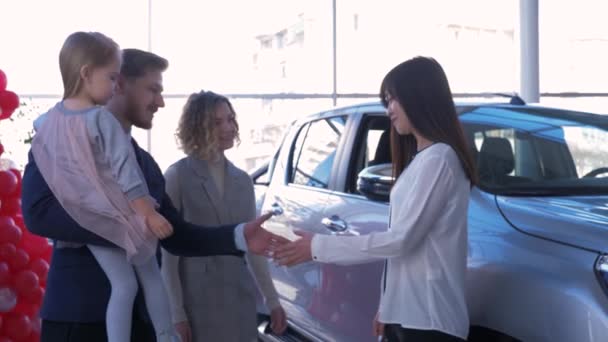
[
  {"x": 259, "y": 240},
  {"x": 183, "y": 329},
  {"x": 278, "y": 320},
  {"x": 296, "y": 252}
]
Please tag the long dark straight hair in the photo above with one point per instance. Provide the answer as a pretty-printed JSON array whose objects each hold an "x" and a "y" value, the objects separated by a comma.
[{"x": 422, "y": 89}]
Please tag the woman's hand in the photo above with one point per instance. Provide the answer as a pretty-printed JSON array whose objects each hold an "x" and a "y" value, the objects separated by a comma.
[
  {"x": 377, "y": 327},
  {"x": 295, "y": 252},
  {"x": 183, "y": 329},
  {"x": 278, "y": 320}
]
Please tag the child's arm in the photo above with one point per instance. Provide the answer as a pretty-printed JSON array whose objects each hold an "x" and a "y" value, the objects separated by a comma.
[
  {"x": 110, "y": 140},
  {"x": 114, "y": 144}
]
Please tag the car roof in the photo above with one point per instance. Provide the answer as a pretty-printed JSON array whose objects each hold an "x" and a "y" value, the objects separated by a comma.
[{"x": 527, "y": 112}]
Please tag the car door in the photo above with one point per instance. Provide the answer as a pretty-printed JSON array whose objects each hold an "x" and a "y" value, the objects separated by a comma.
[
  {"x": 348, "y": 296},
  {"x": 299, "y": 187},
  {"x": 261, "y": 179}
]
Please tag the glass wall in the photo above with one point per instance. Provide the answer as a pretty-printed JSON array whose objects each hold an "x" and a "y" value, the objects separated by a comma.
[
  {"x": 274, "y": 58},
  {"x": 573, "y": 46},
  {"x": 474, "y": 40},
  {"x": 261, "y": 125}
]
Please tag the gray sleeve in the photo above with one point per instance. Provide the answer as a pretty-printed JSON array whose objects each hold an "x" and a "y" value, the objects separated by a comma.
[
  {"x": 172, "y": 185},
  {"x": 170, "y": 263},
  {"x": 113, "y": 146},
  {"x": 39, "y": 121},
  {"x": 259, "y": 264}
]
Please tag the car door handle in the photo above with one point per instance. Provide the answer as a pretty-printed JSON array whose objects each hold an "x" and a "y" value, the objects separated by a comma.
[
  {"x": 276, "y": 209},
  {"x": 334, "y": 223}
]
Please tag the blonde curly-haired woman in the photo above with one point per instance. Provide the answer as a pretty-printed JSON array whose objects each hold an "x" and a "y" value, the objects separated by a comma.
[{"x": 213, "y": 298}]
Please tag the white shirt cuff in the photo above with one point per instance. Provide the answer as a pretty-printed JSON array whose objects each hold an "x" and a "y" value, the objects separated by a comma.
[
  {"x": 239, "y": 237},
  {"x": 179, "y": 315},
  {"x": 316, "y": 247},
  {"x": 272, "y": 303}
]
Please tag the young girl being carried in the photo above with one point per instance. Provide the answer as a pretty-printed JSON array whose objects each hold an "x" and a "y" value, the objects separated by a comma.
[{"x": 86, "y": 157}]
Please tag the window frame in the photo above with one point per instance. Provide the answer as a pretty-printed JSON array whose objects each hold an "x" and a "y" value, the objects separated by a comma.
[{"x": 292, "y": 167}]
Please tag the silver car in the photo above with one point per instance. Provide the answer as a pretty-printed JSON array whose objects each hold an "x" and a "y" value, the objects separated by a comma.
[{"x": 538, "y": 222}]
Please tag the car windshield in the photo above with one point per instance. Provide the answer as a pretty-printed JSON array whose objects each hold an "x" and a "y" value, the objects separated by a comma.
[{"x": 530, "y": 151}]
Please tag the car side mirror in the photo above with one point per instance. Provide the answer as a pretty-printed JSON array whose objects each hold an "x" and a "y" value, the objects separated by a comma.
[{"x": 375, "y": 182}]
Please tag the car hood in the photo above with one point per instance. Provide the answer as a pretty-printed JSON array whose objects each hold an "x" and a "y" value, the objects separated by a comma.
[{"x": 581, "y": 221}]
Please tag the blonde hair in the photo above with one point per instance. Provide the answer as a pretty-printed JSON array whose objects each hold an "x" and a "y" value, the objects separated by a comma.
[
  {"x": 195, "y": 133},
  {"x": 80, "y": 49}
]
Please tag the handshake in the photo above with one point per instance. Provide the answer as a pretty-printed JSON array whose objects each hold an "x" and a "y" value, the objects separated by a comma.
[{"x": 283, "y": 251}]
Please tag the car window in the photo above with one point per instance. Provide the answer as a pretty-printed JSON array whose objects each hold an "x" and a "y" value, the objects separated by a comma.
[
  {"x": 314, "y": 152},
  {"x": 372, "y": 147},
  {"x": 588, "y": 148},
  {"x": 262, "y": 177},
  {"x": 538, "y": 153}
]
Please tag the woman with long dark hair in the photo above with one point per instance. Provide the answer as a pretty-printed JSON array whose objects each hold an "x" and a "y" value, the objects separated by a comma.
[{"x": 425, "y": 247}]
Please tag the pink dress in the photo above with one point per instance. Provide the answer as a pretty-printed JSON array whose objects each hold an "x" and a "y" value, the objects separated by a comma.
[{"x": 87, "y": 189}]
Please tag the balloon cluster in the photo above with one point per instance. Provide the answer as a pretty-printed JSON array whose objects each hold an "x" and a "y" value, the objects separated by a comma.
[
  {"x": 9, "y": 101},
  {"x": 24, "y": 258}
]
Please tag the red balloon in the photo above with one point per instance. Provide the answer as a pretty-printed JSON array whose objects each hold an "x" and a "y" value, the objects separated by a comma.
[
  {"x": 36, "y": 323},
  {"x": 9, "y": 232},
  {"x": 9, "y": 101},
  {"x": 36, "y": 327},
  {"x": 5, "y": 339},
  {"x": 5, "y": 273},
  {"x": 8, "y": 183},
  {"x": 47, "y": 253},
  {"x": 35, "y": 245},
  {"x": 10, "y": 206},
  {"x": 17, "y": 174},
  {"x": 23, "y": 307},
  {"x": 26, "y": 282},
  {"x": 3, "y": 80},
  {"x": 7, "y": 252},
  {"x": 4, "y": 220},
  {"x": 18, "y": 219},
  {"x": 35, "y": 297},
  {"x": 41, "y": 268},
  {"x": 8, "y": 299},
  {"x": 17, "y": 326},
  {"x": 20, "y": 260}
]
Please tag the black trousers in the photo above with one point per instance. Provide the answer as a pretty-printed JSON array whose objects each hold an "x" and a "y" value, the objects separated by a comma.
[
  {"x": 397, "y": 333},
  {"x": 91, "y": 332}
]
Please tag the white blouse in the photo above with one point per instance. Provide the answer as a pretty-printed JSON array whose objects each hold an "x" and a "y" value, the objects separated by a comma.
[{"x": 425, "y": 245}]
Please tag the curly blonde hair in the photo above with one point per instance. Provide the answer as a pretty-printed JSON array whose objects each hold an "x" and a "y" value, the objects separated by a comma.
[{"x": 195, "y": 133}]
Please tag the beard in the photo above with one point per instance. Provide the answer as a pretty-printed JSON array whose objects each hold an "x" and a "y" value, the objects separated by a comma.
[{"x": 137, "y": 116}]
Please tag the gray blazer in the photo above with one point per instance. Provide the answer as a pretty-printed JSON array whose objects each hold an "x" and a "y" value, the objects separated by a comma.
[{"x": 215, "y": 294}]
